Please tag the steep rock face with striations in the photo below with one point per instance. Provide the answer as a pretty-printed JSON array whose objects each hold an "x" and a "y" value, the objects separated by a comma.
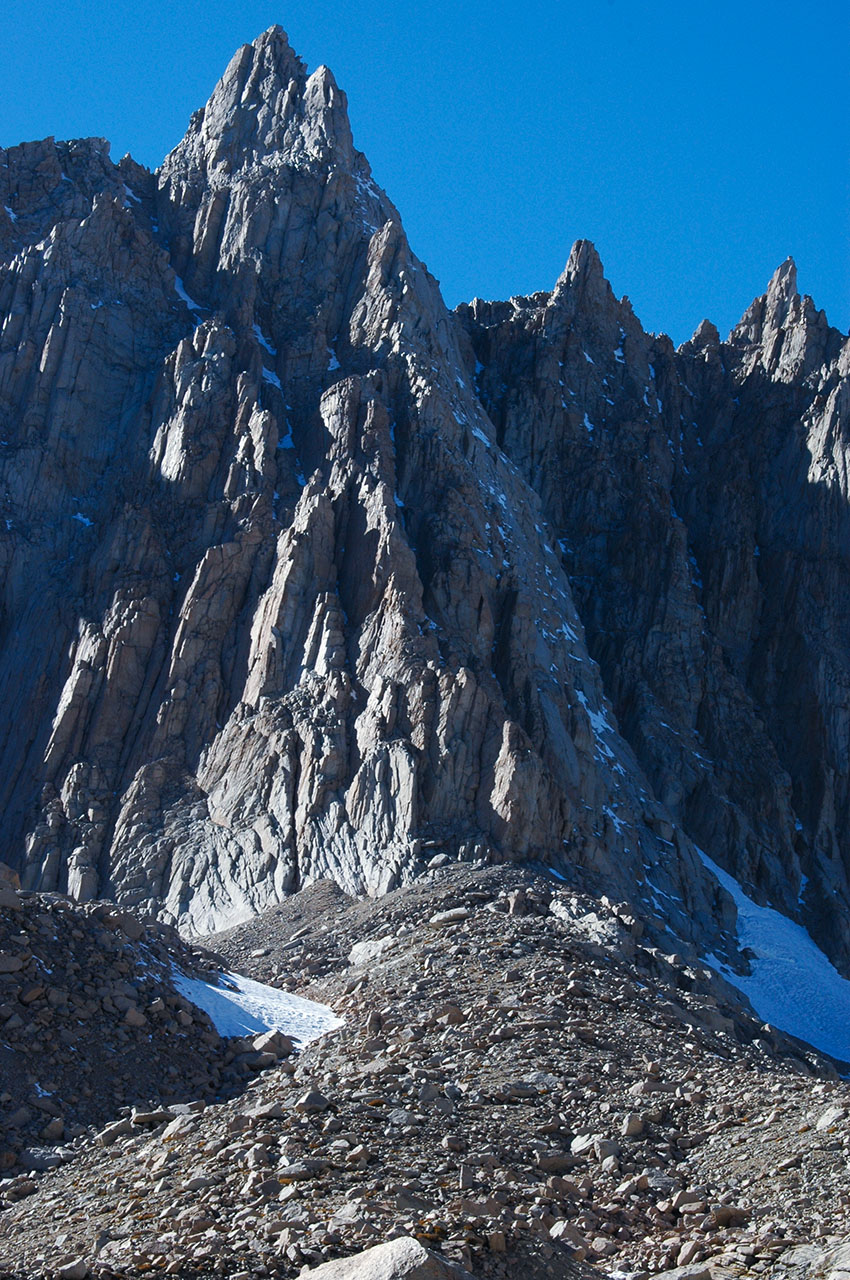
[
  {"x": 275, "y": 605},
  {"x": 304, "y": 576},
  {"x": 700, "y": 499}
]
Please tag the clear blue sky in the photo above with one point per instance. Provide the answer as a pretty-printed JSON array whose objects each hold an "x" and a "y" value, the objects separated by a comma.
[{"x": 696, "y": 144}]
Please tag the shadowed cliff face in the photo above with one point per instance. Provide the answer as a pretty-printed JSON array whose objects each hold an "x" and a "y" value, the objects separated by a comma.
[
  {"x": 700, "y": 499},
  {"x": 298, "y": 569}
]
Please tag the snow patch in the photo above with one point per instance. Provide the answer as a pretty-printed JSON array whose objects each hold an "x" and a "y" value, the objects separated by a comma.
[
  {"x": 792, "y": 985},
  {"x": 12, "y": 215},
  {"x": 598, "y": 723},
  {"x": 180, "y": 290},
  {"x": 78, "y": 515},
  {"x": 238, "y": 1006},
  {"x": 617, "y": 823},
  {"x": 263, "y": 340},
  {"x": 270, "y": 376}
]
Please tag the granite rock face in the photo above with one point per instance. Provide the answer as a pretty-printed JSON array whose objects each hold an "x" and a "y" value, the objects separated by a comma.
[
  {"x": 275, "y": 605},
  {"x": 700, "y": 502},
  {"x": 303, "y": 576}
]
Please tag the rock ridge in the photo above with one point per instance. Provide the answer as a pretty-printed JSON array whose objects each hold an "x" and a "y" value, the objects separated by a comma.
[{"x": 324, "y": 580}]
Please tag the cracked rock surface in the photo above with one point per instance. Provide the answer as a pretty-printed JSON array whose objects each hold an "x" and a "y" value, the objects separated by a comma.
[{"x": 324, "y": 581}]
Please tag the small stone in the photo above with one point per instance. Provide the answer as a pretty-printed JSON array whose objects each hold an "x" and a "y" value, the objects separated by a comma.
[
  {"x": 684, "y": 1199},
  {"x": 582, "y": 1143},
  {"x": 107, "y": 1136},
  {"x": 633, "y": 1125},
  {"x": 148, "y": 1119},
  {"x": 274, "y": 1042},
  {"x": 312, "y": 1103},
  {"x": 568, "y": 1234},
  {"x": 369, "y": 950},
  {"x": 39, "y": 1159},
  {"x": 78, "y": 1269},
  {"x": 830, "y": 1118},
  {"x": 448, "y": 919}
]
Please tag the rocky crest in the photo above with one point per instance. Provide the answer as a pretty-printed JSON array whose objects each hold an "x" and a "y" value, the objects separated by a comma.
[
  {"x": 700, "y": 502},
  {"x": 303, "y": 576}
]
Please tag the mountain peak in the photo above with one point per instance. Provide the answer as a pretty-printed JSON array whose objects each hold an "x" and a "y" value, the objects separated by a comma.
[
  {"x": 583, "y": 276},
  {"x": 772, "y": 310},
  {"x": 583, "y": 263},
  {"x": 273, "y": 37},
  {"x": 705, "y": 337},
  {"x": 265, "y": 109},
  {"x": 783, "y": 282}
]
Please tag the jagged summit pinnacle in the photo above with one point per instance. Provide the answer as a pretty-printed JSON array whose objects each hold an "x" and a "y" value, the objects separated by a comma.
[
  {"x": 584, "y": 261},
  {"x": 266, "y": 109},
  {"x": 783, "y": 282},
  {"x": 273, "y": 37},
  {"x": 704, "y": 338},
  {"x": 778, "y": 308},
  {"x": 583, "y": 273}
]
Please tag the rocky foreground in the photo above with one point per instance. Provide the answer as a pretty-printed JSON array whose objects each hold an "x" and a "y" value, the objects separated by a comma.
[
  {"x": 520, "y": 1085},
  {"x": 93, "y": 1027}
]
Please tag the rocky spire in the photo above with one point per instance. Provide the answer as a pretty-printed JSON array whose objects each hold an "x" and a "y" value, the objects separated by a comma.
[
  {"x": 271, "y": 138},
  {"x": 782, "y": 332},
  {"x": 584, "y": 275},
  {"x": 782, "y": 290},
  {"x": 705, "y": 339},
  {"x": 267, "y": 110},
  {"x": 767, "y": 313}
]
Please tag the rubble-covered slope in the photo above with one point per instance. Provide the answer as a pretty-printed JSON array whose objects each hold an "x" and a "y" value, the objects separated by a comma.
[
  {"x": 92, "y": 1023},
  {"x": 520, "y": 1082}
]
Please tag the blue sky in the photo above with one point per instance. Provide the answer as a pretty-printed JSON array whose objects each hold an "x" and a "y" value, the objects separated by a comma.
[{"x": 696, "y": 145}]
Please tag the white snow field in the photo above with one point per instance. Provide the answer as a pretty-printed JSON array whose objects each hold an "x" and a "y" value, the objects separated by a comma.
[
  {"x": 792, "y": 985},
  {"x": 241, "y": 1007}
]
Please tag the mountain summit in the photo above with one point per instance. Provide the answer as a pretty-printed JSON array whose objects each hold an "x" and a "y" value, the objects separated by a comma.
[{"x": 304, "y": 576}]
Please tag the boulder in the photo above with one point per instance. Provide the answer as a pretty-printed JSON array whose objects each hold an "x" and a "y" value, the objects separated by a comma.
[{"x": 402, "y": 1259}]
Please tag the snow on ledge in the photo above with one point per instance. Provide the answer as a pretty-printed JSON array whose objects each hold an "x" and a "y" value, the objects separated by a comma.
[
  {"x": 238, "y": 1006},
  {"x": 792, "y": 984}
]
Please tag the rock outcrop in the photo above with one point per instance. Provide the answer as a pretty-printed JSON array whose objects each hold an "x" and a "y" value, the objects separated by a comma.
[
  {"x": 700, "y": 501},
  {"x": 303, "y": 576}
]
